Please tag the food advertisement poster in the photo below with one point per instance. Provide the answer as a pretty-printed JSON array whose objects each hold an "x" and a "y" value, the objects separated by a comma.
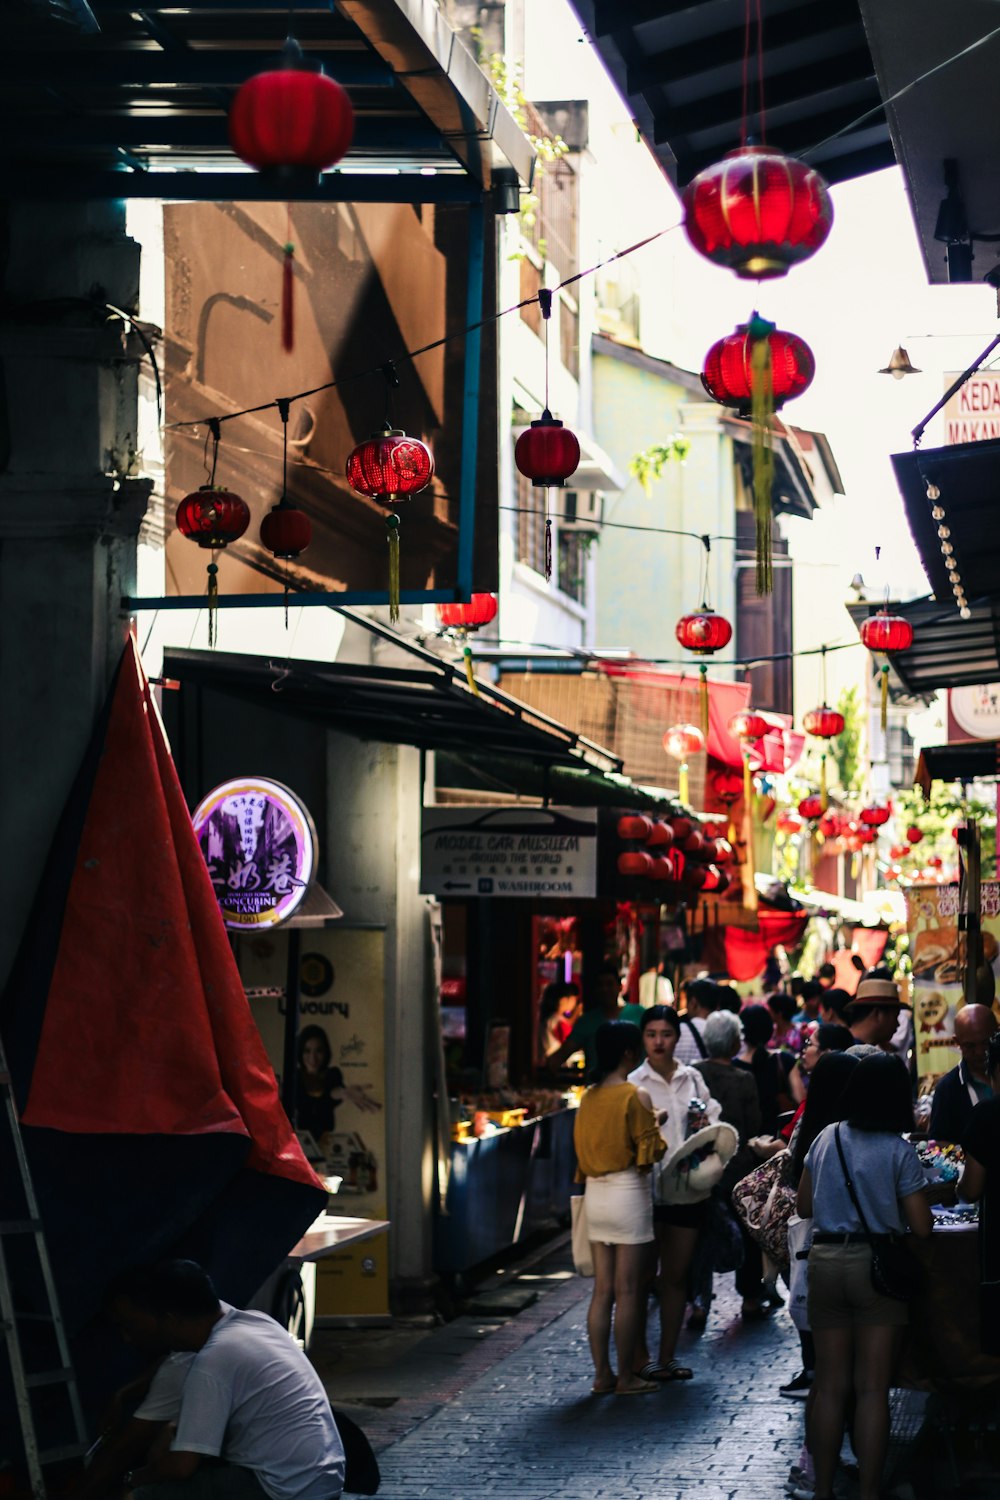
[
  {"x": 937, "y": 955},
  {"x": 340, "y": 1087}
]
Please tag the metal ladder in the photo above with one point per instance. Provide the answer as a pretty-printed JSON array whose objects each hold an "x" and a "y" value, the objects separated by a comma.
[{"x": 26, "y": 1382}]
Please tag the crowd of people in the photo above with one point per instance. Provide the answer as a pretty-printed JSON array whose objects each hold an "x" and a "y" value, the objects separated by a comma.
[{"x": 771, "y": 1139}]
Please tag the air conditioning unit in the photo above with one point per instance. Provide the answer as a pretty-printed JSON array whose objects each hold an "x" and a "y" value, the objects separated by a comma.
[{"x": 581, "y": 510}]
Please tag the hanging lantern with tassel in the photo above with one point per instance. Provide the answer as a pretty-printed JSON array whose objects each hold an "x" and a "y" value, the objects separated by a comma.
[
  {"x": 756, "y": 370},
  {"x": 875, "y": 815},
  {"x": 547, "y": 452},
  {"x": 757, "y": 212},
  {"x": 480, "y": 610},
  {"x": 212, "y": 517},
  {"x": 285, "y": 531},
  {"x": 823, "y": 723},
  {"x": 291, "y": 123},
  {"x": 704, "y": 633},
  {"x": 885, "y": 634},
  {"x": 390, "y": 468},
  {"x": 682, "y": 741}
]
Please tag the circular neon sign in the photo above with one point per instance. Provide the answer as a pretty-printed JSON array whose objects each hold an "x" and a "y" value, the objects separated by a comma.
[{"x": 259, "y": 844}]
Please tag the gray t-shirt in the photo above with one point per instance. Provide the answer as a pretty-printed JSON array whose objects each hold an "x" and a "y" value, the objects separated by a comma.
[
  {"x": 883, "y": 1168},
  {"x": 252, "y": 1398}
]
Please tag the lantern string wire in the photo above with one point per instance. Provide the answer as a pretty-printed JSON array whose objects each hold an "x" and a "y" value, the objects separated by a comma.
[
  {"x": 448, "y": 338},
  {"x": 667, "y": 661},
  {"x": 746, "y": 73},
  {"x": 906, "y": 88},
  {"x": 760, "y": 72}
]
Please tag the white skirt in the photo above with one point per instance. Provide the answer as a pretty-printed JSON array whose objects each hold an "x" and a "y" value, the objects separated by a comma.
[{"x": 619, "y": 1208}]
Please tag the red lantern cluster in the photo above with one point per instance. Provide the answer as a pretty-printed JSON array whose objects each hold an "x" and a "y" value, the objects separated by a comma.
[
  {"x": 704, "y": 632},
  {"x": 757, "y": 212},
  {"x": 291, "y": 120},
  {"x": 213, "y": 517},
  {"x": 727, "y": 374},
  {"x": 547, "y": 453},
  {"x": 748, "y": 725},
  {"x": 824, "y": 723},
  {"x": 390, "y": 467},
  {"x": 480, "y": 610},
  {"x": 887, "y": 633}
]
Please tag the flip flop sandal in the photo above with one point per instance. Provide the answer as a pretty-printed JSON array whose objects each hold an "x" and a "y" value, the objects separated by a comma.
[
  {"x": 602, "y": 1390},
  {"x": 662, "y": 1373},
  {"x": 640, "y": 1390}
]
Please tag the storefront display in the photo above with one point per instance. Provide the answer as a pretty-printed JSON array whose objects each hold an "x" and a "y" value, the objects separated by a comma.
[{"x": 937, "y": 957}]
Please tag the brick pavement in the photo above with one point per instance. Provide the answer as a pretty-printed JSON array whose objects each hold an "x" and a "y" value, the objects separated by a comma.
[{"x": 516, "y": 1418}]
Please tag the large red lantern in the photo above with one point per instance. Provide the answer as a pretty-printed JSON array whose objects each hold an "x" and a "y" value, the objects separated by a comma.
[
  {"x": 811, "y": 807},
  {"x": 748, "y": 725},
  {"x": 886, "y": 633},
  {"x": 212, "y": 517},
  {"x": 547, "y": 452},
  {"x": 757, "y": 212},
  {"x": 823, "y": 723},
  {"x": 875, "y": 816},
  {"x": 292, "y": 120},
  {"x": 480, "y": 610},
  {"x": 390, "y": 468},
  {"x": 728, "y": 371},
  {"x": 286, "y": 531},
  {"x": 704, "y": 632}
]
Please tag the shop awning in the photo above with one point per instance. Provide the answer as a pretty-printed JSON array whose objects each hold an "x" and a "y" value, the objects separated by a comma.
[
  {"x": 972, "y": 760},
  {"x": 678, "y": 64},
  {"x": 425, "y": 702},
  {"x": 967, "y": 475},
  {"x": 947, "y": 651},
  {"x": 134, "y": 103}
]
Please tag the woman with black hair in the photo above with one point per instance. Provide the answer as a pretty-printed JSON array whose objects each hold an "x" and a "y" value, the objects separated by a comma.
[
  {"x": 320, "y": 1088},
  {"x": 617, "y": 1140},
  {"x": 856, "y": 1328},
  {"x": 770, "y": 1069}
]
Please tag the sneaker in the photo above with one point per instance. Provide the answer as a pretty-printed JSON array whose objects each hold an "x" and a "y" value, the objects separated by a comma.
[
  {"x": 799, "y": 1485},
  {"x": 799, "y": 1388}
]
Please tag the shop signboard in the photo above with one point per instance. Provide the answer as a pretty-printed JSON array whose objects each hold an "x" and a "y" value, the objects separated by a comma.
[
  {"x": 974, "y": 712},
  {"x": 972, "y": 414},
  {"x": 342, "y": 1014},
  {"x": 936, "y": 991},
  {"x": 259, "y": 844},
  {"x": 532, "y": 852}
]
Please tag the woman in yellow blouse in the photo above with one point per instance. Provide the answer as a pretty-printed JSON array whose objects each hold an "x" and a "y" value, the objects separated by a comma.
[{"x": 617, "y": 1140}]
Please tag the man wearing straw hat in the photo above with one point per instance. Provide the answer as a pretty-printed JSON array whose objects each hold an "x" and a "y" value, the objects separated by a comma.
[{"x": 873, "y": 1014}]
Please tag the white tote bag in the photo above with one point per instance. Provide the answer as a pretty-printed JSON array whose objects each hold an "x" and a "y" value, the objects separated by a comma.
[
  {"x": 582, "y": 1258},
  {"x": 800, "y": 1234}
]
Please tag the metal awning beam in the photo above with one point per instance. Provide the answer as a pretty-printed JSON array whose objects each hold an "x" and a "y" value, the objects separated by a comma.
[
  {"x": 677, "y": 64},
  {"x": 242, "y": 187},
  {"x": 850, "y": 72},
  {"x": 380, "y": 134},
  {"x": 352, "y": 66}
]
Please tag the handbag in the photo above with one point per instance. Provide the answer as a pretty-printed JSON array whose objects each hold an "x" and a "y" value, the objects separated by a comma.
[
  {"x": 583, "y": 1260},
  {"x": 800, "y": 1233},
  {"x": 894, "y": 1271},
  {"x": 765, "y": 1200}
]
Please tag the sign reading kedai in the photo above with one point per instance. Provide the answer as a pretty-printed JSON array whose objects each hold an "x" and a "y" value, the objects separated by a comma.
[
  {"x": 972, "y": 415},
  {"x": 509, "y": 851}
]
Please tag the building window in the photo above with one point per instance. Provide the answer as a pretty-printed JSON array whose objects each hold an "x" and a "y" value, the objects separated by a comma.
[
  {"x": 573, "y": 553},
  {"x": 764, "y": 622},
  {"x": 530, "y": 524},
  {"x": 569, "y": 335}
]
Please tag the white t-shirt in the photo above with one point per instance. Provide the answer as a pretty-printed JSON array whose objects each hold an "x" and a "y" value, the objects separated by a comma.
[
  {"x": 687, "y": 1050},
  {"x": 675, "y": 1096},
  {"x": 162, "y": 1402},
  {"x": 252, "y": 1398}
]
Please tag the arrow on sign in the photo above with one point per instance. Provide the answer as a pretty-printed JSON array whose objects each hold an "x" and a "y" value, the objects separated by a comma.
[{"x": 457, "y": 885}]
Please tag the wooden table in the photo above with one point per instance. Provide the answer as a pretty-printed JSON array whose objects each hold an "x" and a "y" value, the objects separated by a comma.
[{"x": 333, "y": 1232}]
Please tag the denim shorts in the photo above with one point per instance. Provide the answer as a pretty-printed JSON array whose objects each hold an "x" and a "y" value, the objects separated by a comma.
[{"x": 841, "y": 1294}]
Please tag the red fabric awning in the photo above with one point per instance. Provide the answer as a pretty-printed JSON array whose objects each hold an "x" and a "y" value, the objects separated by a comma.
[{"x": 747, "y": 950}]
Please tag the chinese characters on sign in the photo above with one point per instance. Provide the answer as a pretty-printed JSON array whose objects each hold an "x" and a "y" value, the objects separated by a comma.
[{"x": 259, "y": 844}]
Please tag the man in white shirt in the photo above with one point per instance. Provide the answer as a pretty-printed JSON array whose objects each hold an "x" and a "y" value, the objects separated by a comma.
[
  {"x": 251, "y": 1400},
  {"x": 702, "y": 999}
]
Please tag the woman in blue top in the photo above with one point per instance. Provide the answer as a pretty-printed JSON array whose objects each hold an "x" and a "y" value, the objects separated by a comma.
[{"x": 855, "y": 1327}]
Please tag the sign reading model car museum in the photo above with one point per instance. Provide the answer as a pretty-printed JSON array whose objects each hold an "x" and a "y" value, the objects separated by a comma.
[{"x": 509, "y": 851}]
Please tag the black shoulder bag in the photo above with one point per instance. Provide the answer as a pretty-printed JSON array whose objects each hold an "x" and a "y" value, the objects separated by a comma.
[
  {"x": 895, "y": 1272},
  {"x": 698, "y": 1040}
]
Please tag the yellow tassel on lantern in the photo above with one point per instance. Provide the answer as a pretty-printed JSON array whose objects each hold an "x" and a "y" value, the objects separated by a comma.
[
  {"x": 885, "y": 697},
  {"x": 470, "y": 675},
  {"x": 213, "y": 599},
  {"x": 682, "y": 784},
  {"x": 392, "y": 524},
  {"x": 703, "y": 700},
  {"x": 762, "y": 418}
]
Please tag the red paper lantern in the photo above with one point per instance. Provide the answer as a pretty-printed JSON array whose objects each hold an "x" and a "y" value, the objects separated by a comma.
[
  {"x": 547, "y": 453},
  {"x": 213, "y": 517},
  {"x": 713, "y": 878},
  {"x": 811, "y": 807},
  {"x": 704, "y": 632},
  {"x": 663, "y": 868},
  {"x": 635, "y": 863},
  {"x": 292, "y": 120},
  {"x": 695, "y": 877},
  {"x": 875, "y": 816},
  {"x": 694, "y": 843},
  {"x": 914, "y": 835},
  {"x": 681, "y": 828},
  {"x": 286, "y": 531},
  {"x": 390, "y": 467},
  {"x": 788, "y": 822},
  {"x": 727, "y": 786},
  {"x": 721, "y": 851},
  {"x": 682, "y": 741},
  {"x": 824, "y": 723},
  {"x": 899, "y": 851},
  {"x": 829, "y": 825},
  {"x": 661, "y": 837},
  {"x": 935, "y": 862},
  {"x": 727, "y": 374},
  {"x": 757, "y": 212},
  {"x": 886, "y": 633},
  {"x": 866, "y": 835},
  {"x": 635, "y": 828},
  {"x": 479, "y": 611},
  {"x": 748, "y": 725}
]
